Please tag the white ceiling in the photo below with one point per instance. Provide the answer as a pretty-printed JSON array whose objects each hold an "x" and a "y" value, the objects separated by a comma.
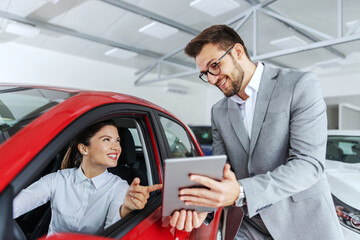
[{"x": 95, "y": 26}]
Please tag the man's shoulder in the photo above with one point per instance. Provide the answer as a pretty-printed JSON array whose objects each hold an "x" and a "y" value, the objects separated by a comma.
[
  {"x": 292, "y": 75},
  {"x": 221, "y": 103}
]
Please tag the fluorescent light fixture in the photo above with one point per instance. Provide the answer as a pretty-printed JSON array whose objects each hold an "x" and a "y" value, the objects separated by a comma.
[
  {"x": 158, "y": 30},
  {"x": 176, "y": 88},
  {"x": 333, "y": 63},
  {"x": 52, "y": 1},
  {"x": 214, "y": 7},
  {"x": 120, "y": 53},
  {"x": 20, "y": 29},
  {"x": 288, "y": 42},
  {"x": 352, "y": 24}
]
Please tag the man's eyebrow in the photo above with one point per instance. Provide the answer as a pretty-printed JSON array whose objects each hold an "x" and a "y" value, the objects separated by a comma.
[{"x": 208, "y": 64}]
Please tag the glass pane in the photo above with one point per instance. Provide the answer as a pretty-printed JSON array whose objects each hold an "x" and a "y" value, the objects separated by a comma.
[
  {"x": 179, "y": 142},
  {"x": 343, "y": 149},
  {"x": 19, "y": 106},
  {"x": 203, "y": 134}
]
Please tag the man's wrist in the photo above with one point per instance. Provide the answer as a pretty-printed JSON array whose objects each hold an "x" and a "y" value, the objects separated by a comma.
[
  {"x": 209, "y": 218},
  {"x": 240, "y": 201}
]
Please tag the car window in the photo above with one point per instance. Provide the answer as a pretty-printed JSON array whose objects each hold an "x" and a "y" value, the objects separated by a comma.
[
  {"x": 134, "y": 161},
  {"x": 343, "y": 149},
  {"x": 19, "y": 106},
  {"x": 203, "y": 134},
  {"x": 178, "y": 139}
]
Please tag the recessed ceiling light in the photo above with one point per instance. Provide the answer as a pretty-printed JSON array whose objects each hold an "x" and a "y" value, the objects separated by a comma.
[
  {"x": 20, "y": 29},
  {"x": 214, "y": 7},
  {"x": 288, "y": 42},
  {"x": 120, "y": 53},
  {"x": 158, "y": 30},
  {"x": 352, "y": 24}
]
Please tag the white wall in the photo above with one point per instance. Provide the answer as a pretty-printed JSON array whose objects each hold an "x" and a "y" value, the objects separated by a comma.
[{"x": 30, "y": 65}]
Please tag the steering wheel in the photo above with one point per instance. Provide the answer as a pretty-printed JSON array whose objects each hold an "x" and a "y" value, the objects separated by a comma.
[{"x": 18, "y": 233}]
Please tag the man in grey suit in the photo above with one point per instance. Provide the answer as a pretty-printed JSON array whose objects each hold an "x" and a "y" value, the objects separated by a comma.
[{"x": 272, "y": 126}]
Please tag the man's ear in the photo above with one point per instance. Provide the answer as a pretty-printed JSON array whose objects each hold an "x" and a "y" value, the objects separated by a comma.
[
  {"x": 82, "y": 149},
  {"x": 239, "y": 51}
]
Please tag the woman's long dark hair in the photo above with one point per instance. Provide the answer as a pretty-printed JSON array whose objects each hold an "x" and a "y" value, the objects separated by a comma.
[{"x": 73, "y": 157}]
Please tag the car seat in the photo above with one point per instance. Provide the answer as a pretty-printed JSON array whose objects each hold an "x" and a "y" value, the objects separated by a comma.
[
  {"x": 127, "y": 164},
  {"x": 356, "y": 157},
  {"x": 333, "y": 152}
]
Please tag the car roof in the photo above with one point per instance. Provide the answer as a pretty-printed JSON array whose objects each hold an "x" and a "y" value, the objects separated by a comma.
[
  {"x": 119, "y": 97},
  {"x": 39, "y": 132}
]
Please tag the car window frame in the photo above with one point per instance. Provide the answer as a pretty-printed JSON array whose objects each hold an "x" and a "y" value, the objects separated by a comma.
[
  {"x": 142, "y": 115},
  {"x": 164, "y": 138}
]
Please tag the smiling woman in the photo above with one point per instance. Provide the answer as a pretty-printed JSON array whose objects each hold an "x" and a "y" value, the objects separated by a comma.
[{"x": 84, "y": 196}]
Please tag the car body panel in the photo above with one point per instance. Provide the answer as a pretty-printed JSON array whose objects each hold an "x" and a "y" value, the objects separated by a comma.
[
  {"x": 344, "y": 178},
  {"x": 153, "y": 228}
]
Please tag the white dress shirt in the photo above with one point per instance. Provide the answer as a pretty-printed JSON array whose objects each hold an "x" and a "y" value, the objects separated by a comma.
[
  {"x": 78, "y": 204},
  {"x": 247, "y": 107}
]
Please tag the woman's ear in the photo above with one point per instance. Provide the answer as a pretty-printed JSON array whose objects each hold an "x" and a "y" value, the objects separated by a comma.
[{"x": 82, "y": 149}]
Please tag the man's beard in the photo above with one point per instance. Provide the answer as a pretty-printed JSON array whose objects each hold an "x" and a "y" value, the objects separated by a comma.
[{"x": 236, "y": 79}]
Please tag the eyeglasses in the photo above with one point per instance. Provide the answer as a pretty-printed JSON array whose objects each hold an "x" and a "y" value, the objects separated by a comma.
[{"x": 214, "y": 68}]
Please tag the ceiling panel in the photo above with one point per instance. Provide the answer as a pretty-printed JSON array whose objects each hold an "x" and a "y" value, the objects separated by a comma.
[
  {"x": 113, "y": 26},
  {"x": 90, "y": 17}
]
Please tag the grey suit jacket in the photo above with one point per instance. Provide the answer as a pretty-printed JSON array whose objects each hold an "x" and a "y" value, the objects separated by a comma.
[{"x": 282, "y": 167}]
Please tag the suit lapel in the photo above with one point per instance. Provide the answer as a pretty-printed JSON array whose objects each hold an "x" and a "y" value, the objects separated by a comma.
[
  {"x": 267, "y": 84},
  {"x": 238, "y": 124}
]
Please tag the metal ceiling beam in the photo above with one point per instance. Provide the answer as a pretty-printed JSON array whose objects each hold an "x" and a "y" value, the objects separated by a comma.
[
  {"x": 305, "y": 34},
  {"x": 340, "y": 18},
  {"x": 71, "y": 32},
  {"x": 296, "y": 24},
  {"x": 139, "y": 11},
  {"x": 312, "y": 46},
  {"x": 243, "y": 17}
]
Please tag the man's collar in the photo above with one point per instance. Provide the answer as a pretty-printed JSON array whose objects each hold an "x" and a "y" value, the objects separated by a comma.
[
  {"x": 254, "y": 83},
  {"x": 256, "y": 78}
]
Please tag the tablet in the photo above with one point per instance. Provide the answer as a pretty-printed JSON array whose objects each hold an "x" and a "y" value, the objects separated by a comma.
[{"x": 176, "y": 177}]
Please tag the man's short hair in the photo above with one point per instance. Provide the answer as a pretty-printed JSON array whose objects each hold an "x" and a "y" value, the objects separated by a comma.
[{"x": 222, "y": 36}]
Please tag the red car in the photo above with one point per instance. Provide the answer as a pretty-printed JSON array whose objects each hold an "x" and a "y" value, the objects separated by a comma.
[{"x": 37, "y": 125}]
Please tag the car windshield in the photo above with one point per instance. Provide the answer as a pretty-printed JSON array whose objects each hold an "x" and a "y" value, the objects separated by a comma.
[
  {"x": 202, "y": 134},
  {"x": 21, "y": 105},
  {"x": 343, "y": 148}
]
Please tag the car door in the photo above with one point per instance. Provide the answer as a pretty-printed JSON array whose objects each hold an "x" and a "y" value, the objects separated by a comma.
[
  {"x": 180, "y": 143},
  {"x": 135, "y": 118}
]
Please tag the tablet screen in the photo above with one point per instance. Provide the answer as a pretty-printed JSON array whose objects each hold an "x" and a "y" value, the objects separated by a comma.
[{"x": 176, "y": 177}]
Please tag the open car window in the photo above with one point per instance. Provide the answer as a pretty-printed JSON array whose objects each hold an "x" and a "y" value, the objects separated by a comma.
[{"x": 136, "y": 160}]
